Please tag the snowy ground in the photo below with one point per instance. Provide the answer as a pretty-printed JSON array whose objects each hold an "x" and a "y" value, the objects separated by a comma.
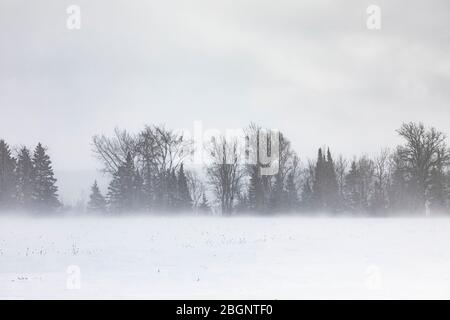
[{"x": 240, "y": 258}]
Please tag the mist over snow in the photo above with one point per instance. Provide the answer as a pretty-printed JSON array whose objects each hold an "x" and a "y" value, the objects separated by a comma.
[{"x": 224, "y": 258}]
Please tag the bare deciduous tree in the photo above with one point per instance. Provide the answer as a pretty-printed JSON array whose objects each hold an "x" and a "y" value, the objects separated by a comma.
[
  {"x": 161, "y": 149},
  {"x": 381, "y": 175},
  {"x": 424, "y": 148},
  {"x": 156, "y": 146},
  {"x": 225, "y": 173},
  {"x": 112, "y": 151},
  {"x": 196, "y": 189}
]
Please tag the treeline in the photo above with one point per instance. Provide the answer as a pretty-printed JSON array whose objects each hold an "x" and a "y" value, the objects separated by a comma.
[
  {"x": 148, "y": 174},
  {"x": 27, "y": 180}
]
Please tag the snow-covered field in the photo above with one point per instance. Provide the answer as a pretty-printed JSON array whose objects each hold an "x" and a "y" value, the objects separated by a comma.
[{"x": 241, "y": 258}]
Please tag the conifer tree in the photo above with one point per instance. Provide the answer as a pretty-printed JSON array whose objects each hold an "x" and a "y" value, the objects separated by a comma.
[
  {"x": 277, "y": 196},
  {"x": 97, "y": 202},
  {"x": 255, "y": 190},
  {"x": 24, "y": 174},
  {"x": 115, "y": 192},
  {"x": 159, "y": 190},
  {"x": 45, "y": 195},
  {"x": 139, "y": 201},
  {"x": 437, "y": 187},
  {"x": 447, "y": 191},
  {"x": 325, "y": 187},
  {"x": 332, "y": 189},
  {"x": 173, "y": 199},
  {"x": 184, "y": 196},
  {"x": 351, "y": 188},
  {"x": 7, "y": 177},
  {"x": 148, "y": 191},
  {"x": 307, "y": 197},
  {"x": 319, "y": 184},
  {"x": 291, "y": 193},
  {"x": 378, "y": 202},
  {"x": 121, "y": 191},
  {"x": 400, "y": 186}
]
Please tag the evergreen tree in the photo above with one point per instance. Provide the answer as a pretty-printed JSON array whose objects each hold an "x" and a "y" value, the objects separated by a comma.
[
  {"x": 45, "y": 195},
  {"x": 318, "y": 187},
  {"x": 359, "y": 187},
  {"x": 148, "y": 192},
  {"x": 333, "y": 202},
  {"x": 139, "y": 201},
  {"x": 437, "y": 187},
  {"x": 325, "y": 187},
  {"x": 378, "y": 203},
  {"x": 291, "y": 193},
  {"x": 7, "y": 177},
  {"x": 400, "y": 195},
  {"x": 24, "y": 174},
  {"x": 121, "y": 191},
  {"x": 278, "y": 195},
  {"x": 184, "y": 196},
  {"x": 307, "y": 197},
  {"x": 255, "y": 190},
  {"x": 173, "y": 197},
  {"x": 353, "y": 196},
  {"x": 115, "y": 192},
  {"x": 159, "y": 188},
  {"x": 447, "y": 191},
  {"x": 97, "y": 202}
]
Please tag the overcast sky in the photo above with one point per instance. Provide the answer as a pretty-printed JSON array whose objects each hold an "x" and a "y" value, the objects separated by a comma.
[{"x": 309, "y": 68}]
